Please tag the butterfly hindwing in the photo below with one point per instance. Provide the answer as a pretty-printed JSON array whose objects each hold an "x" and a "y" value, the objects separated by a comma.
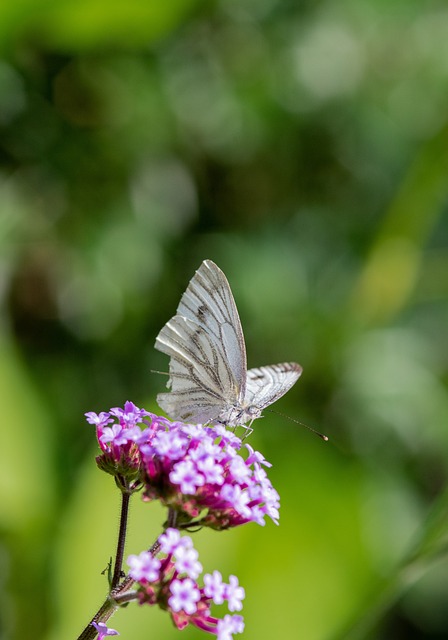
[{"x": 265, "y": 385}]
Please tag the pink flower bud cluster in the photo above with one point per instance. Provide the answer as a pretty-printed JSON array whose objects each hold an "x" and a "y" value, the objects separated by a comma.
[
  {"x": 170, "y": 581},
  {"x": 196, "y": 470}
]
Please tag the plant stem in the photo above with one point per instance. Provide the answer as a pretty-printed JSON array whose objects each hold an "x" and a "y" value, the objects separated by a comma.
[
  {"x": 172, "y": 517},
  {"x": 125, "y": 497}
]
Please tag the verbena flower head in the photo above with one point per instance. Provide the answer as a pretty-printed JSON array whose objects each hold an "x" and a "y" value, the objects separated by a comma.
[
  {"x": 199, "y": 471},
  {"x": 171, "y": 582},
  {"x": 120, "y": 454}
]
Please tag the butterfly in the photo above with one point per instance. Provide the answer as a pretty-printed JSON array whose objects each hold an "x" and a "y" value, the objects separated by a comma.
[{"x": 209, "y": 379}]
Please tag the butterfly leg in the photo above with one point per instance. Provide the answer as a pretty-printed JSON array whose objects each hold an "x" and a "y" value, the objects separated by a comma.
[{"x": 247, "y": 430}]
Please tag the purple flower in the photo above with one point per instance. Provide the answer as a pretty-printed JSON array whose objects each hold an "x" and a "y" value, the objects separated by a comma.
[
  {"x": 213, "y": 472},
  {"x": 144, "y": 567},
  {"x": 260, "y": 474},
  {"x": 115, "y": 434},
  {"x": 186, "y": 475},
  {"x": 193, "y": 430},
  {"x": 240, "y": 471},
  {"x": 104, "y": 630},
  {"x": 214, "y": 587},
  {"x": 234, "y": 594},
  {"x": 184, "y": 596},
  {"x": 100, "y": 420},
  {"x": 238, "y": 498},
  {"x": 133, "y": 434},
  {"x": 130, "y": 416},
  {"x": 205, "y": 448},
  {"x": 230, "y": 437},
  {"x": 187, "y": 561},
  {"x": 228, "y": 626},
  {"x": 256, "y": 456},
  {"x": 170, "y": 540},
  {"x": 170, "y": 443}
]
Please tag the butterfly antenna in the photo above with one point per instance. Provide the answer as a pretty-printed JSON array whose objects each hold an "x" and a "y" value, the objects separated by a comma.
[
  {"x": 162, "y": 373},
  {"x": 302, "y": 424}
]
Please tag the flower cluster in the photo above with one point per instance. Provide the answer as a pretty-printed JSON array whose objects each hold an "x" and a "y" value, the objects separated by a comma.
[
  {"x": 171, "y": 582},
  {"x": 119, "y": 442},
  {"x": 206, "y": 476},
  {"x": 196, "y": 470}
]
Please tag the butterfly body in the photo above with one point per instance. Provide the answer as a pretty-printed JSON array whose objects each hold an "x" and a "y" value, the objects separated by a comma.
[{"x": 209, "y": 380}]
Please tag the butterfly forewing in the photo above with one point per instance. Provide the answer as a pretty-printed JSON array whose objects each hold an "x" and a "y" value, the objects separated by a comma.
[
  {"x": 209, "y": 302},
  {"x": 206, "y": 348}
]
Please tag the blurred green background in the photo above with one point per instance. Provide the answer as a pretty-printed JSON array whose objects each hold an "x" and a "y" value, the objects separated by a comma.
[{"x": 303, "y": 146}]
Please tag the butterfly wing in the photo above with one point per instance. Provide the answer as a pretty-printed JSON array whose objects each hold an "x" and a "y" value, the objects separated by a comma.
[
  {"x": 206, "y": 347},
  {"x": 267, "y": 384},
  {"x": 209, "y": 301}
]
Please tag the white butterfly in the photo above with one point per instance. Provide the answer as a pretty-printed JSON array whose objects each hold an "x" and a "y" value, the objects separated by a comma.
[{"x": 209, "y": 380}]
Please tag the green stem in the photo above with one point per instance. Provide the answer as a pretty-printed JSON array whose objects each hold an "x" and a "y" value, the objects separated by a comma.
[{"x": 125, "y": 497}]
